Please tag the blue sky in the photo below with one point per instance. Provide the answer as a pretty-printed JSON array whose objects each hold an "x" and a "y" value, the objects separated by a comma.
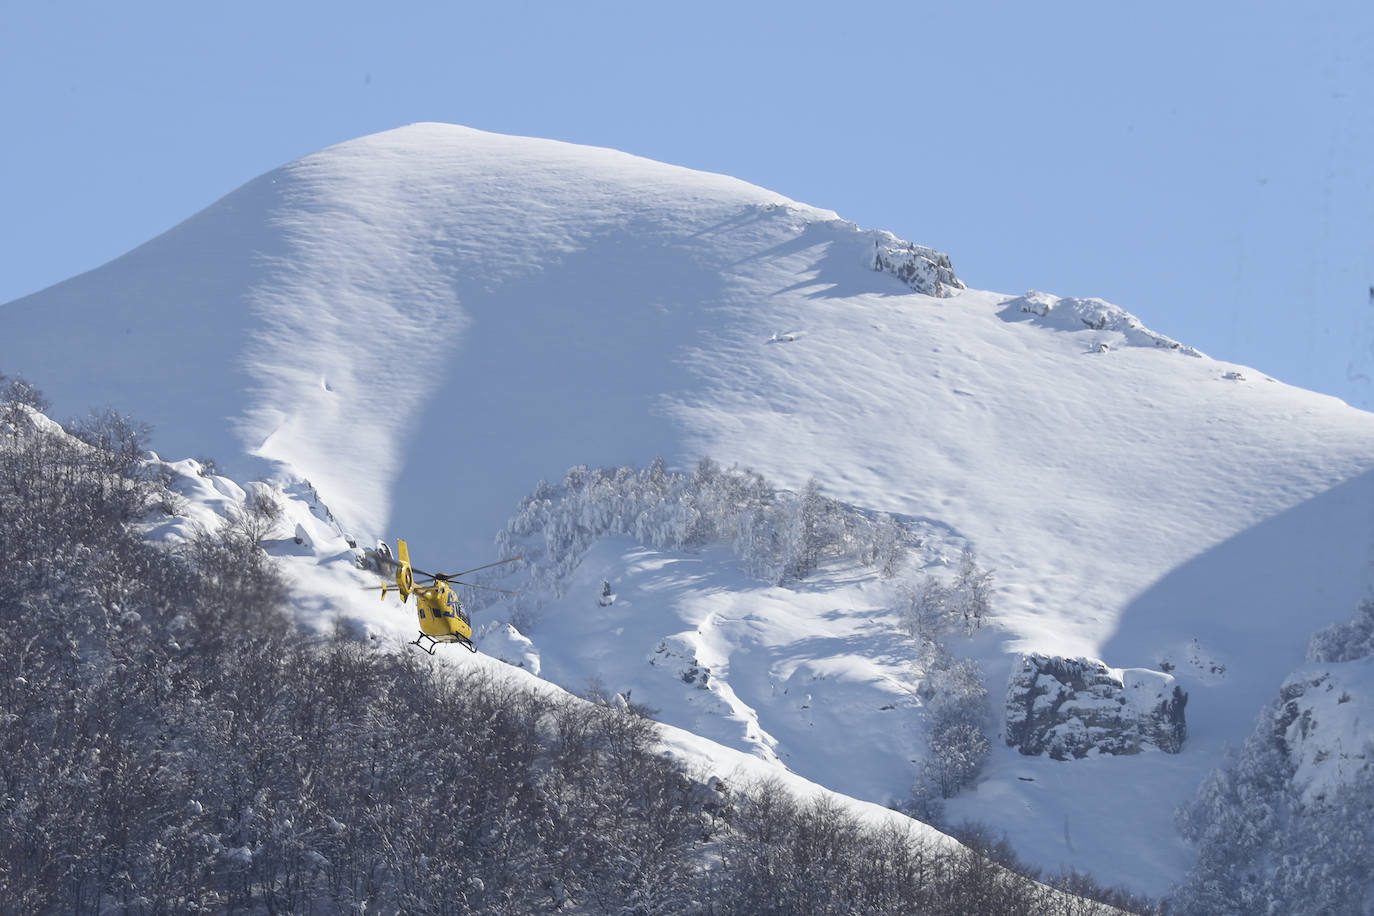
[{"x": 1209, "y": 167}]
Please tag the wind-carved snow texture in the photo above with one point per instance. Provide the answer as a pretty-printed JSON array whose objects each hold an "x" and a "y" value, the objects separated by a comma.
[
  {"x": 1076, "y": 707},
  {"x": 925, "y": 270},
  {"x": 1069, "y": 314}
]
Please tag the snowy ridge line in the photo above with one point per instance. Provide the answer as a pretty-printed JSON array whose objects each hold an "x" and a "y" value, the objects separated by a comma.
[
  {"x": 925, "y": 270},
  {"x": 1070, "y": 314}
]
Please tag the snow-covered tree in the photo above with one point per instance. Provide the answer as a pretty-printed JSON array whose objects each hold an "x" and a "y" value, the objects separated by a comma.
[
  {"x": 1347, "y": 641},
  {"x": 957, "y": 711},
  {"x": 972, "y": 591},
  {"x": 889, "y": 546},
  {"x": 777, "y": 535},
  {"x": 807, "y": 532}
]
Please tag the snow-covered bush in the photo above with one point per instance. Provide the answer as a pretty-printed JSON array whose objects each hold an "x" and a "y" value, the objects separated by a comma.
[
  {"x": 16, "y": 392},
  {"x": 955, "y": 698},
  {"x": 954, "y": 694},
  {"x": 926, "y": 609},
  {"x": 932, "y": 608}
]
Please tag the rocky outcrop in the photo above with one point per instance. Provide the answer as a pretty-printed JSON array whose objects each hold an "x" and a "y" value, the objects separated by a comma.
[
  {"x": 1321, "y": 725},
  {"x": 923, "y": 269},
  {"x": 1069, "y": 314},
  {"x": 1074, "y": 707}
]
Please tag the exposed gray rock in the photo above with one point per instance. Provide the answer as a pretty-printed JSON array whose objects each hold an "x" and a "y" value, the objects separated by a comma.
[
  {"x": 1073, "y": 707},
  {"x": 923, "y": 269},
  {"x": 688, "y": 667}
]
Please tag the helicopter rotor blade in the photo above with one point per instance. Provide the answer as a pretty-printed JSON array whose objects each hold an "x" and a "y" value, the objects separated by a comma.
[
  {"x": 447, "y": 576},
  {"x": 485, "y": 588},
  {"x": 477, "y": 568}
]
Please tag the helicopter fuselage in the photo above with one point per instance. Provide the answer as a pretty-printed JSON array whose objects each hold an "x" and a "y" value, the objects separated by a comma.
[{"x": 441, "y": 615}]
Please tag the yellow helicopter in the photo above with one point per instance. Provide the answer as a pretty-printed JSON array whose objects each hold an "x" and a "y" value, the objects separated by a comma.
[{"x": 442, "y": 616}]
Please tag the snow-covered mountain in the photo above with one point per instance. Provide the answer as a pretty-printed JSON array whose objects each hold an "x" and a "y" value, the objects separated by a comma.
[{"x": 426, "y": 322}]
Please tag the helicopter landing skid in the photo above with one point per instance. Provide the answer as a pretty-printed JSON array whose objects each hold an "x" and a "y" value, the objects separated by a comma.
[{"x": 465, "y": 643}]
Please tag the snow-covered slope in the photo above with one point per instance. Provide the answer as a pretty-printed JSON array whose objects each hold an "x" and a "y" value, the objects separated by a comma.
[
  {"x": 328, "y": 576},
  {"x": 425, "y": 322}
]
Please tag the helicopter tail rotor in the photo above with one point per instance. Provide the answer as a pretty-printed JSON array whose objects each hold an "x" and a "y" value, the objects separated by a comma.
[{"x": 405, "y": 575}]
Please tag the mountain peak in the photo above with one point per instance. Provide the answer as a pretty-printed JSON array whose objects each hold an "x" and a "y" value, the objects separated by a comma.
[{"x": 277, "y": 291}]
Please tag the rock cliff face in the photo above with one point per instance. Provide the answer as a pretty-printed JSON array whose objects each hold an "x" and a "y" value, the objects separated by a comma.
[
  {"x": 1318, "y": 726},
  {"x": 1073, "y": 707},
  {"x": 1322, "y": 715}
]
